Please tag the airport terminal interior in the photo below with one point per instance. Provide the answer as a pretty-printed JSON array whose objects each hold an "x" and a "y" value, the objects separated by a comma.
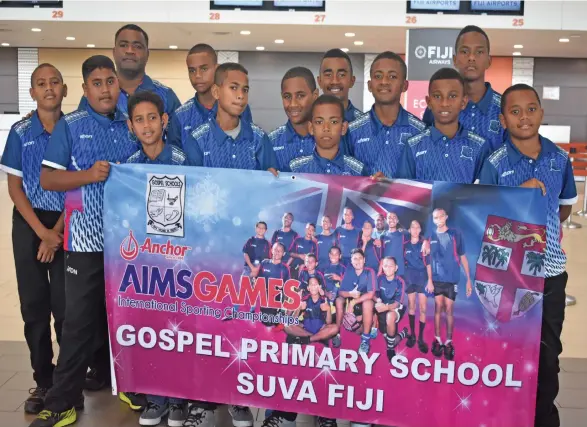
[{"x": 539, "y": 43}]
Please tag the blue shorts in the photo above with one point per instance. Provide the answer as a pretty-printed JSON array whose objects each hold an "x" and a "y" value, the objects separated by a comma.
[
  {"x": 421, "y": 289},
  {"x": 313, "y": 325}
]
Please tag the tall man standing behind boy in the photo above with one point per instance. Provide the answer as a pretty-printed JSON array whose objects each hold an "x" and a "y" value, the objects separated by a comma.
[{"x": 69, "y": 166}]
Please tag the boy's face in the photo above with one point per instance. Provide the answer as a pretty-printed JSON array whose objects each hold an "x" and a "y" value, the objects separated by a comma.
[
  {"x": 380, "y": 222},
  {"x": 260, "y": 229},
  {"x": 327, "y": 126},
  {"x": 314, "y": 286},
  {"x": 201, "y": 68},
  {"x": 334, "y": 256},
  {"x": 387, "y": 82},
  {"x": 439, "y": 218},
  {"x": 389, "y": 267},
  {"x": 335, "y": 78},
  {"x": 277, "y": 252},
  {"x": 326, "y": 223},
  {"x": 310, "y": 230},
  {"x": 392, "y": 220},
  {"x": 446, "y": 99},
  {"x": 147, "y": 124},
  {"x": 367, "y": 229},
  {"x": 102, "y": 90},
  {"x": 415, "y": 229},
  {"x": 297, "y": 100},
  {"x": 348, "y": 216},
  {"x": 130, "y": 51},
  {"x": 310, "y": 263},
  {"x": 48, "y": 89},
  {"x": 233, "y": 93},
  {"x": 358, "y": 261},
  {"x": 522, "y": 115},
  {"x": 287, "y": 220},
  {"x": 472, "y": 56}
]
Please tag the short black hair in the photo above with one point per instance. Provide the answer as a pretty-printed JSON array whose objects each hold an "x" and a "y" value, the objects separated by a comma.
[
  {"x": 204, "y": 48},
  {"x": 132, "y": 27},
  {"x": 95, "y": 62},
  {"x": 337, "y": 53},
  {"x": 302, "y": 72},
  {"x": 516, "y": 88},
  {"x": 390, "y": 258},
  {"x": 447, "y": 74},
  {"x": 312, "y": 255},
  {"x": 335, "y": 248},
  {"x": 358, "y": 251},
  {"x": 145, "y": 96},
  {"x": 45, "y": 65},
  {"x": 223, "y": 69},
  {"x": 472, "y": 29},
  {"x": 280, "y": 244},
  {"x": 393, "y": 56},
  {"x": 261, "y": 223},
  {"x": 311, "y": 224},
  {"x": 329, "y": 99}
]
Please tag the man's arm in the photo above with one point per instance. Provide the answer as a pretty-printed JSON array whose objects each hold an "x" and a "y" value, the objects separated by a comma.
[
  {"x": 568, "y": 196},
  {"x": 366, "y": 297}
]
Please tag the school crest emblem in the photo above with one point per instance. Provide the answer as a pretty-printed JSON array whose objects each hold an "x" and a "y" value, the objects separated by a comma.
[{"x": 165, "y": 205}]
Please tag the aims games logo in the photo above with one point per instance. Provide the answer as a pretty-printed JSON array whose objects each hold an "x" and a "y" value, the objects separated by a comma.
[{"x": 130, "y": 248}]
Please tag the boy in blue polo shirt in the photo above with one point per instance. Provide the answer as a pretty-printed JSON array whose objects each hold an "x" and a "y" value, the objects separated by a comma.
[
  {"x": 300, "y": 248},
  {"x": 37, "y": 229},
  {"x": 309, "y": 270},
  {"x": 327, "y": 127},
  {"x": 378, "y": 137},
  {"x": 481, "y": 115},
  {"x": 69, "y": 166},
  {"x": 532, "y": 161},
  {"x": 447, "y": 254},
  {"x": 325, "y": 240},
  {"x": 201, "y": 62},
  {"x": 285, "y": 235},
  {"x": 256, "y": 249},
  {"x": 446, "y": 151},
  {"x": 131, "y": 53},
  {"x": 298, "y": 93},
  {"x": 228, "y": 140},
  {"x": 347, "y": 236}
]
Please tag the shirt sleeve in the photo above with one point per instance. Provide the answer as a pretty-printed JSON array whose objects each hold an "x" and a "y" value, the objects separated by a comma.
[
  {"x": 407, "y": 164},
  {"x": 12, "y": 156},
  {"x": 246, "y": 246},
  {"x": 247, "y": 116},
  {"x": 58, "y": 151},
  {"x": 483, "y": 155},
  {"x": 174, "y": 132},
  {"x": 287, "y": 274},
  {"x": 568, "y": 195},
  {"x": 488, "y": 174},
  {"x": 346, "y": 147},
  {"x": 265, "y": 154},
  {"x": 372, "y": 281},
  {"x": 399, "y": 292},
  {"x": 428, "y": 118},
  {"x": 194, "y": 154},
  {"x": 459, "y": 243},
  {"x": 172, "y": 102}
]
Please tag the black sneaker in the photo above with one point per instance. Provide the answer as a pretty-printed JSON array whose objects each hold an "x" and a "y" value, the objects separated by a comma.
[
  {"x": 95, "y": 381},
  {"x": 55, "y": 419},
  {"x": 326, "y": 422},
  {"x": 449, "y": 351},
  {"x": 390, "y": 354},
  {"x": 36, "y": 401},
  {"x": 411, "y": 341},
  {"x": 136, "y": 401},
  {"x": 437, "y": 348},
  {"x": 422, "y": 346},
  {"x": 80, "y": 403}
]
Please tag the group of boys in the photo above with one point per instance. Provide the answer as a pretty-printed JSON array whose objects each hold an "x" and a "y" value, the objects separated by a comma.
[{"x": 58, "y": 250}]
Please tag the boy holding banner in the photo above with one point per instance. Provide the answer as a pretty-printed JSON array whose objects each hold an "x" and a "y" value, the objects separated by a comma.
[{"x": 532, "y": 161}]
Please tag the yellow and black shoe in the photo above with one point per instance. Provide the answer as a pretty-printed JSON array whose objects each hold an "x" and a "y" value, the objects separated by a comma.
[
  {"x": 47, "y": 418},
  {"x": 136, "y": 401}
]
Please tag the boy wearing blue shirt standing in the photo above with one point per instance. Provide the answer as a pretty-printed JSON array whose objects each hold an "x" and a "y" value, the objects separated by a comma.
[
  {"x": 325, "y": 240},
  {"x": 285, "y": 235},
  {"x": 446, "y": 151},
  {"x": 68, "y": 165},
  {"x": 532, "y": 161},
  {"x": 201, "y": 62},
  {"x": 298, "y": 93},
  {"x": 228, "y": 140},
  {"x": 347, "y": 236},
  {"x": 447, "y": 254},
  {"x": 37, "y": 229},
  {"x": 481, "y": 115},
  {"x": 378, "y": 137},
  {"x": 300, "y": 248}
]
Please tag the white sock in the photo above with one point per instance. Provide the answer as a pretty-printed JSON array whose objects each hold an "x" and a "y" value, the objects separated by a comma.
[
  {"x": 439, "y": 340},
  {"x": 447, "y": 342}
]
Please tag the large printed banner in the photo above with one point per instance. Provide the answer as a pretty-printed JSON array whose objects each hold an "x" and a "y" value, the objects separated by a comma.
[{"x": 188, "y": 320}]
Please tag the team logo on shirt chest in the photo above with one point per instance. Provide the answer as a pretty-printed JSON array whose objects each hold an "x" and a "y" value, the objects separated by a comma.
[{"x": 165, "y": 205}]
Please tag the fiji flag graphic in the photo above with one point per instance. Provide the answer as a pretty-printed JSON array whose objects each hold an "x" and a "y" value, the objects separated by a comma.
[
  {"x": 314, "y": 196},
  {"x": 510, "y": 269}
]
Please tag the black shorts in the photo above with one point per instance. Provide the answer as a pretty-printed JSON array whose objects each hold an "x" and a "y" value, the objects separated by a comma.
[
  {"x": 421, "y": 289},
  {"x": 383, "y": 318},
  {"x": 448, "y": 290}
]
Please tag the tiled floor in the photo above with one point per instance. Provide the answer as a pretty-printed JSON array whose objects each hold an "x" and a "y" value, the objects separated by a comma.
[{"x": 103, "y": 410}]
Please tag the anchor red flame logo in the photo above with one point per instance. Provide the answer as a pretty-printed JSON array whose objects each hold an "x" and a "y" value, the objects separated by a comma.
[{"x": 129, "y": 248}]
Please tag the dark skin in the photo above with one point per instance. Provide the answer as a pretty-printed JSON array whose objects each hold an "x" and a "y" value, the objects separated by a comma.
[
  {"x": 297, "y": 98},
  {"x": 472, "y": 60},
  {"x": 327, "y": 127},
  {"x": 387, "y": 84},
  {"x": 148, "y": 124},
  {"x": 201, "y": 68},
  {"x": 522, "y": 117},
  {"x": 130, "y": 54},
  {"x": 336, "y": 78},
  {"x": 446, "y": 99}
]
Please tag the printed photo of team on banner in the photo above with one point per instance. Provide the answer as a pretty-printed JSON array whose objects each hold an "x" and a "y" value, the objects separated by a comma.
[{"x": 364, "y": 280}]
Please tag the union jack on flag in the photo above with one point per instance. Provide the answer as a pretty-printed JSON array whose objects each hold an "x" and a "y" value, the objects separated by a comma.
[{"x": 313, "y": 196}]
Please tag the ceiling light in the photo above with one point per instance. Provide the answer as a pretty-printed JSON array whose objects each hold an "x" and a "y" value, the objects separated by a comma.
[
  {"x": 245, "y": 32},
  {"x": 563, "y": 40},
  {"x": 349, "y": 34},
  {"x": 279, "y": 41},
  {"x": 358, "y": 43},
  {"x": 90, "y": 45},
  {"x": 172, "y": 46},
  {"x": 517, "y": 54},
  {"x": 344, "y": 49},
  {"x": 70, "y": 38},
  {"x": 36, "y": 30},
  {"x": 5, "y": 44},
  {"x": 260, "y": 48},
  {"x": 518, "y": 46},
  {"x": 575, "y": 36}
]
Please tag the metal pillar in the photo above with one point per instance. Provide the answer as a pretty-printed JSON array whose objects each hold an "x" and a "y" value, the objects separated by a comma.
[
  {"x": 570, "y": 224},
  {"x": 583, "y": 212}
]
